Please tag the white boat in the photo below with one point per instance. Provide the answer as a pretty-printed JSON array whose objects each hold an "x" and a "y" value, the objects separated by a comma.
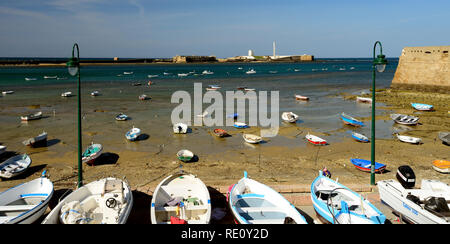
[
  {"x": 25, "y": 203},
  {"x": 34, "y": 116},
  {"x": 7, "y": 92},
  {"x": 360, "y": 137},
  {"x": 2, "y": 149},
  {"x": 183, "y": 74},
  {"x": 181, "y": 198},
  {"x": 300, "y": 97},
  {"x": 105, "y": 201},
  {"x": 180, "y": 128},
  {"x": 30, "y": 79},
  {"x": 207, "y": 72},
  {"x": 133, "y": 134},
  {"x": 185, "y": 155},
  {"x": 143, "y": 97},
  {"x": 152, "y": 76},
  {"x": 50, "y": 77},
  {"x": 249, "y": 89},
  {"x": 66, "y": 94},
  {"x": 213, "y": 87},
  {"x": 240, "y": 125},
  {"x": 404, "y": 119},
  {"x": 428, "y": 204},
  {"x": 121, "y": 117},
  {"x": 165, "y": 73},
  {"x": 337, "y": 204},
  {"x": 289, "y": 117},
  {"x": 252, "y": 71},
  {"x": 409, "y": 139},
  {"x": 15, "y": 166},
  {"x": 364, "y": 99},
  {"x": 95, "y": 93},
  {"x": 40, "y": 140},
  {"x": 128, "y": 73},
  {"x": 92, "y": 153},
  {"x": 252, "y": 202},
  {"x": 253, "y": 139},
  {"x": 422, "y": 106},
  {"x": 315, "y": 139}
]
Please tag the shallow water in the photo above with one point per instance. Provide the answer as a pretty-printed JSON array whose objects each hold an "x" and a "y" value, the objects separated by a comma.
[{"x": 322, "y": 81}]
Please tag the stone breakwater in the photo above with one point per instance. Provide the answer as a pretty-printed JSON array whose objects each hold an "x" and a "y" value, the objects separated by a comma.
[{"x": 423, "y": 68}]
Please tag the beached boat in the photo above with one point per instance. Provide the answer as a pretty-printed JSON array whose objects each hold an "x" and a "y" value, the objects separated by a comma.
[
  {"x": 348, "y": 120},
  {"x": 213, "y": 88},
  {"x": 92, "y": 153},
  {"x": 95, "y": 93},
  {"x": 315, "y": 140},
  {"x": 66, "y": 94},
  {"x": 442, "y": 166},
  {"x": 252, "y": 202},
  {"x": 253, "y": 139},
  {"x": 409, "y": 139},
  {"x": 337, "y": 204},
  {"x": 207, "y": 72},
  {"x": 422, "y": 106},
  {"x": 121, "y": 117},
  {"x": 220, "y": 133},
  {"x": 240, "y": 125},
  {"x": 180, "y": 128},
  {"x": 289, "y": 117},
  {"x": 38, "y": 141},
  {"x": 2, "y": 149},
  {"x": 185, "y": 155},
  {"x": 249, "y": 89},
  {"x": 143, "y": 97},
  {"x": 252, "y": 71},
  {"x": 300, "y": 97},
  {"x": 15, "y": 166},
  {"x": 30, "y": 78},
  {"x": 404, "y": 119},
  {"x": 133, "y": 134},
  {"x": 364, "y": 99},
  {"x": 27, "y": 202},
  {"x": 428, "y": 204},
  {"x": 105, "y": 201},
  {"x": 445, "y": 137},
  {"x": 34, "y": 116},
  {"x": 181, "y": 199},
  {"x": 360, "y": 137},
  {"x": 7, "y": 92},
  {"x": 365, "y": 165}
]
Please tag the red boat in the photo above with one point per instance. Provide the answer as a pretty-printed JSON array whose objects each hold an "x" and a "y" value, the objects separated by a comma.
[
  {"x": 300, "y": 97},
  {"x": 220, "y": 133},
  {"x": 315, "y": 140}
]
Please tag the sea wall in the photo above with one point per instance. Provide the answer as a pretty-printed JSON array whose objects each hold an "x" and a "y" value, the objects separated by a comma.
[
  {"x": 193, "y": 59},
  {"x": 423, "y": 68}
]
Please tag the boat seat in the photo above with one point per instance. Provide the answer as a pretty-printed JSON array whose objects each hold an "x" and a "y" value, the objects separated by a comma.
[
  {"x": 16, "y": 208},
  {"x": 187, "y": 208},
  {"x": 257, "y": 209}
]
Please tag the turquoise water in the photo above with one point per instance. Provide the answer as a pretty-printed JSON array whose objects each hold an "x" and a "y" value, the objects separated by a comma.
[{"x": 323, "y": 81}]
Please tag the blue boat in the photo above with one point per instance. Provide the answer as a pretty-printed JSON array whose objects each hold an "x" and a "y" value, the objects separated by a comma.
[
  {"x": 365, "y": 165},
  {"x": 348, "y": 120},
  {"x": 422, "y": 106},
  {"x": 240, "y": 125},
  {"x": 337, "y": 204},
  {"x": 133, "y": 134},
  {"x": 360, "y": 137}
]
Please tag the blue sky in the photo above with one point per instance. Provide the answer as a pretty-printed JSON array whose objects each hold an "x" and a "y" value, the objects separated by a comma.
[{"x": 164, "y": 28}]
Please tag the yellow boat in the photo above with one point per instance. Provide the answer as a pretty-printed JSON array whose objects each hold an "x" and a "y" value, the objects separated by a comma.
[{"x": 442, "y": 166}]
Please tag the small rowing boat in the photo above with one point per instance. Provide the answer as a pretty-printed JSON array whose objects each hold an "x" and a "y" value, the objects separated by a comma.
[
  {"x": 133, "y": 134},
  {"x": 253, "y": 139},
  {"x": 364, "y": 99},
  {"x": 66, "y": 94},
  {"x": 15, "y": 166},
  {"x": 240, "y": 125},
  {"x": 409, "y": 139},
  {"x": 220, "y": 133},
  {"x": 300, "y": 97},
  {"x": 289, "y": 117},
  {"x": 348, "y": 120},
  {"x": 38, "y": 141},
  {"x": 180, "y": 128},
  {"x": 213, "y": 88},
  {"x": 404, "y": 119},
  {"x": 121, "y": 117},
  {"x": 315, "y": 140},
  {"x": 422, "y": 106},
  {"x": 34, "y": 116},
  {"x": 442, "y": 166},
  {"x": 143, "y": 97},
  {"x": 252, "y": 71},
  {"x": 95, "y": 93},
  {"x": 92, "y": 153},
  {"x": 365, "y": 165},
  {"x": 360, "y": 137},
  {"x": 185, "y": 155}
]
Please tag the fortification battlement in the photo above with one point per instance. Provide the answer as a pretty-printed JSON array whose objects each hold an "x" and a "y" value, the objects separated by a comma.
[{"x": 426, "y": 53}]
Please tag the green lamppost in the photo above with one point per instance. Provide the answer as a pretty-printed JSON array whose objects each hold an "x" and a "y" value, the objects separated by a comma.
[
  {"x": 73, "y": 67},
  {"x": 380, "y": 64}
]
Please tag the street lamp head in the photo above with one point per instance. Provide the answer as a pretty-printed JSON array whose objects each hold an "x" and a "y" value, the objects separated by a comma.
[
  {"x": 380, "y": 63},
  {"x": 73, "y": 66}
]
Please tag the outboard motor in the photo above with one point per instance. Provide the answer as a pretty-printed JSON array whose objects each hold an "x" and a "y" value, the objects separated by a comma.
[{"x": 406, "y": 177}]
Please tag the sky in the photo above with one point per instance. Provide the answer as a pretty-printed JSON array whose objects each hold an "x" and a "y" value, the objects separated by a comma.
[{"x": 226, "y": 28}]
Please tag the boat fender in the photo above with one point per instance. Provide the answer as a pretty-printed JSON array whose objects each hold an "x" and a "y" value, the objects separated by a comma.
[
  {"x": 326, "y": 172},
  {"x": 245, "y": 174}
]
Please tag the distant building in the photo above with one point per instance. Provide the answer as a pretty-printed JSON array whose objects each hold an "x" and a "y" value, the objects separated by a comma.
[{"x": 116, "y": 58}]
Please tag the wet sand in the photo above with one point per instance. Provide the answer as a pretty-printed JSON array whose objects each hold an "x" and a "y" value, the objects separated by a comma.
[{"x": 297, "y": 163}]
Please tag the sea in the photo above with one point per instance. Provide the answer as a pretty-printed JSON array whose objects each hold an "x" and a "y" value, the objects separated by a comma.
[{"x": 324, "y": 81}]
